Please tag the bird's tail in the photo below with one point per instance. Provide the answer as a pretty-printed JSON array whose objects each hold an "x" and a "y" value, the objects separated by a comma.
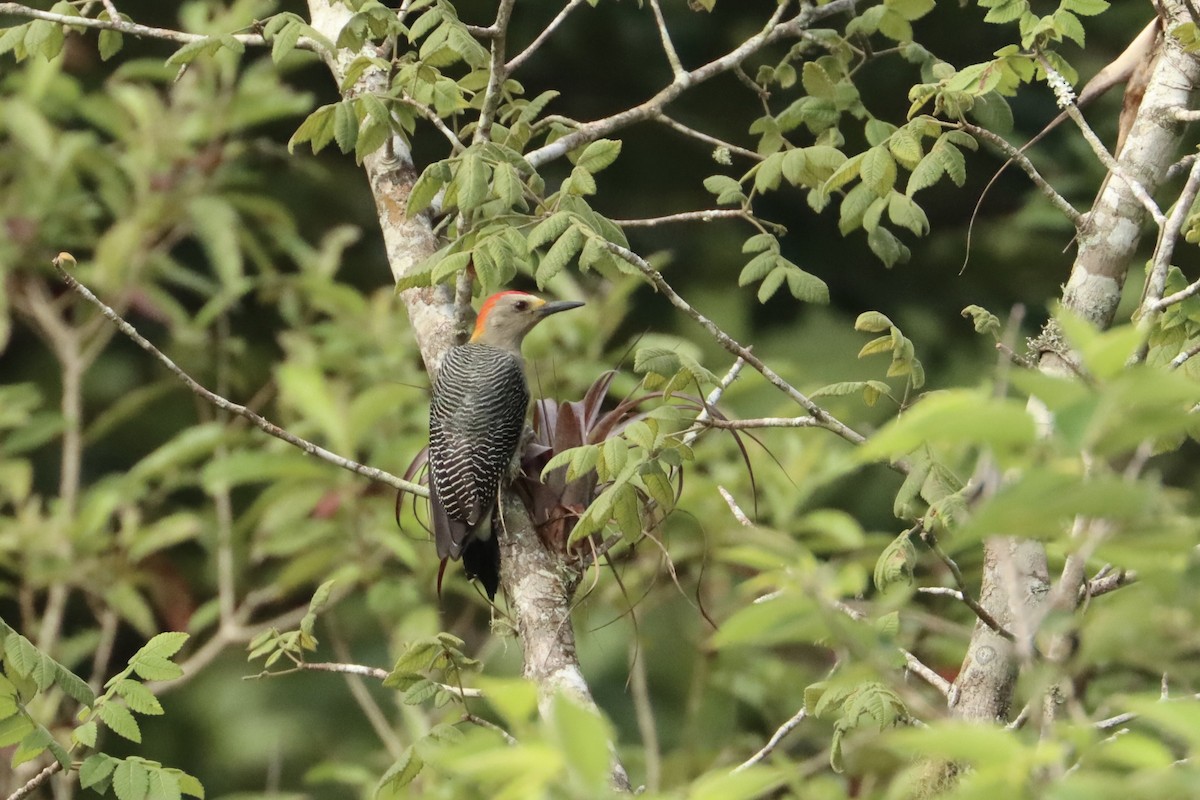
[{"x": 481, "y": 560}]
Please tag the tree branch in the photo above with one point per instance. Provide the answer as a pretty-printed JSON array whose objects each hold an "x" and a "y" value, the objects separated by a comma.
[
  {"x": 707, "y": 215},
  {"x": 677, "y": 69},
  {"x": 772, "y": 32},
  {"x": 982, "y": 613},
  {"x": 36, "y": 781},
  {"x": 679, "y": 127},
  {"x": 524, "y": 55},
  {"x": 1017, "y": 156},
  {"x": 220, "y": 402},
  {"x": 774, "y": 741},
  {"x": 823, "y": 418},
  {"x": 381, "y": 675},
  {"x": 115, "y": 23}
]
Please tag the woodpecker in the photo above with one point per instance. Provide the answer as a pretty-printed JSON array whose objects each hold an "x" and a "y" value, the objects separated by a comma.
[{"x": 476, "y": 418}]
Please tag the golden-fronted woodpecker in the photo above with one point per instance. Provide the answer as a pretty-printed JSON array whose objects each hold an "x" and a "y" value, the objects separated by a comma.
[{"x": 476, "y": 418}]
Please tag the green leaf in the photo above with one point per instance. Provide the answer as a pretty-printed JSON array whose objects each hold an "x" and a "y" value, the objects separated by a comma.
[
  {"x": 559, "y": 255},
  {"x": 193, "y": 50},
  {"x": 878, "y": 171},
  {"x": 903, "y": 211},
  {"x": 402, "y": 772},
  {"x": 120, "y": 721},
  {"x": 906, "y": 148},
  {"x": 154, "y": 668},
  {"x": 96, "y": 768},
  {"x": 316, "y": 605},
  {"x": 758, "y": 267},
  {"x": 15, "y": 729},
  {"x": 816, "y": 81},
  {"x": 110, "y": 43},
  {"x": 1087, "y": 8},
  {"x": 425, "y": 189},
  {"x": 910, "y": 10},
  {"x": 471, "y": 180},
  {"x": 984, "y": 320},
  {"x": 953, "y": 417},
  {"x": 749, "y": 784},
  {"x": 927, "y": 172},
  {"x": 317, "y": 129},
  {"x": 599, "y": 154},
  {"x": 1041, "y": 503},
  {"x": 769, "y": 172},
  {"x": 548, "y": 230},
  {"x": 580, "y": 183},
  {"x": 345, "y": 126},
  {"x": 188, "y": 784},
  {"x": 727, "y": 190},
  {"x": 85, "y": 734},
  {"x": 164, "y": 645},
  {"x": 20, "y": 654},
  {"x": 162, "y": 785},
  {"x": 584, "y": 737},
  {"x": 130, "y": 780},
  {"x": 872, "y": 322},
  {"x": 138, "y": 697},
  {"x": 786, "y": 619},
  {"x": 993, "y": 112},
  {"x": 33, "y": 745},
  {"x": 895, "y": 564},
  {"x": 771, "y": 284}
]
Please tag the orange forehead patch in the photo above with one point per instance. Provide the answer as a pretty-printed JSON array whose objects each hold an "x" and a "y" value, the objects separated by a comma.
[{"x": 490, "y": 303}]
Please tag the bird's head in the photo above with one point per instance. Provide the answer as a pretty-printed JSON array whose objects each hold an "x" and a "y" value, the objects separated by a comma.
[{"x": 506, "y": 317}]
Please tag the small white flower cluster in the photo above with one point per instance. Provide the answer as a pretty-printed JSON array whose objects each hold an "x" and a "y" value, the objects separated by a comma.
[{"x": 1062, "y": 90}]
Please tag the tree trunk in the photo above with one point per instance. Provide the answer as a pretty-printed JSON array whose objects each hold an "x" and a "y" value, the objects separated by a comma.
[{"x": 538, "y": 583}]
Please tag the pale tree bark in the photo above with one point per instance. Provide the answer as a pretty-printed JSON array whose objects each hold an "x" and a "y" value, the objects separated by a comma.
[
  {"x": 1016, "y": 586},
  {"x": 539, "y": 584}
]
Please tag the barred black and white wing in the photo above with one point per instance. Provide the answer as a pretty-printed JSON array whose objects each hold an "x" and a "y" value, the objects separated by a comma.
[{"x": 475, "y": 421}]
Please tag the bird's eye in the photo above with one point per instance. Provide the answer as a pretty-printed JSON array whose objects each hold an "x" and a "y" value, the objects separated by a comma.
[{"x": 521, "y": 305}]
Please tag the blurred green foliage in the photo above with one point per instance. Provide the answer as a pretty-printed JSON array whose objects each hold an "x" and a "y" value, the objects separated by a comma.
[{"x": 131, "y": 512}]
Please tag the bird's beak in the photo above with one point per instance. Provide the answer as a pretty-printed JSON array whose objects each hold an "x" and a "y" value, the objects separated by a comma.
[{"x": 557, "y": 306}]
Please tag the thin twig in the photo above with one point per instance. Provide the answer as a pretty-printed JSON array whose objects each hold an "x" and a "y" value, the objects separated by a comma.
[
  {"x": 1154, "y": 302},
  {"x": 927, "y": 674},
  {"x": 226, "y": 635},
  {"x": 491, "y": 726},
  {"x": 1106, "y": 158},
  {"x": 1115, "y": 722},
  {"x": 941, "y": 591},
  {"x": 677, "y": 69},
  {"x": 1179, "y": 360},
  {"x": 773, "y": 30},
  {"x": 679, "y": 127},
  {"x": 36, "y": 781},
  {"x": 521, "y": 57},
  {"x": 1103, "y": 584},
  {"x": 823, "y": 417},
  {"x": 738, "y": 514},
  {"x": 764, "y": 422},
  {"x": 713, "y": 398},
  {"x": 135, "y": 29},
  {"x": 982, "y": 613},
  {"x": 644, "y": 711},
  {"x": 774, "y": 741},
  {"x": 915, "y": 665},
  {"x": 220, "y": 402},
  {"x": 379, "y": 674},
  {"x": 496, "y": 74},
  {"x": 706, "y": 215},
  {"x": 366, "y": 703},
  {"x": 1018, "y": 157}
]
